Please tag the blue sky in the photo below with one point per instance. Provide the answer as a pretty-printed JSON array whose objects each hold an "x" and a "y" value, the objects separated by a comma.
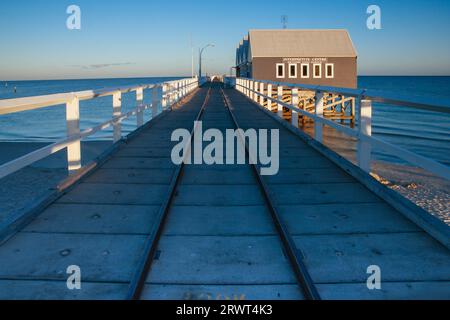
[{"x": 138, "y": 38}]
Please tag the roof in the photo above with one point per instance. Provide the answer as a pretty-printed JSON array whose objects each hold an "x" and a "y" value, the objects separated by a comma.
[{"x": 301, "y": 43}]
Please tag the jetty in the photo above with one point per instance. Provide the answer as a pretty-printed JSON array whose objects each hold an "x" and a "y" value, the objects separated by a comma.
[{"x": 139, "y": 226}]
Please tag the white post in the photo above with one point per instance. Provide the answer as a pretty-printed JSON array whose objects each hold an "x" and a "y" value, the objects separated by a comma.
[
  {"x": 176, "y": 92},
  {"x": 247, "y": 86},
  {"x": 140, "y": 105},
  {"x": 261, "y": 90},
  {"x": 269, "y": 94},
  {"x": 294, "y": 118},
  {"x": 155, "y": 101},
  {"x": 365, "y": 129},
  {"x": 73, "y": 128},
  {"x": 164, "y": 96},
  {"x": 280, "y": 98},
  {"x": 251, "y": 89},
  {"x": 117, "y": 111},
  {"x": 318, "y": 126},
  {"x": 256, "y": 89}
]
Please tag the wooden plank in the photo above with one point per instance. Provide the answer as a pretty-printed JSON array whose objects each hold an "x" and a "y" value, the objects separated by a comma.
[
  {"x": 138, "y": 163},
  {"x": 103, "y": 219},
  {"x": 219, "y": 221},
  {"x": 312, "y": 162},
  {"x": 131, "y": 194},
  {"x": 309, "y": 176},
  {"x": 218, "y": 175},
  {"x": 401, "y": 257},
  {"x": 144, "y": 152},
  {"x": 221, "y": 292},
  {"x": 132, "y": 176},
  {"x": 220, "y": 260},
  {"x": 57, "y": 290},
  {"x": 39, "y": 256},
  {"x": 438, "y": 290},
  {"x": 218, "y": 195},
  {"x": 285, "y": 194},
  {"x": 347, "y": 218}
]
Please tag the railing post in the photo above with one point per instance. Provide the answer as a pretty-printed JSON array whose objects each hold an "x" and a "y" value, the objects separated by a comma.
[
  {"x": 294, "y": 114},
  {"x": 155, "y": 101},
  {"x": 247, "y": 86},
  {"x": 318, "y": 110},
  {"x": 280, "y": 98},
  {"x": 365, "y": 129},
  {"x": 269, "y": 94},
  {"x": 164, "y": 96},
  {"x": 318, "y": 126},
  {"x": 175, "y": 93},
  {"x": 73, "y": 128},
  {"x": 140, "y": 105},
  {"x": 256, "y": 91},
  {"x": 117, "y": 112},
  {"x": 261, "y": 90},
  {"x": 251, "y": 90}
]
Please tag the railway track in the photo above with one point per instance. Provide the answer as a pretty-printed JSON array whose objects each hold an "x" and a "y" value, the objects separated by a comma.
[{"x": 304, "y": 280}]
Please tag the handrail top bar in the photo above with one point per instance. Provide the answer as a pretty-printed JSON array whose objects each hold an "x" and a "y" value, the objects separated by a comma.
[
  {"x": 8, "y": 106},
  {"x": 418, "y": 102}
]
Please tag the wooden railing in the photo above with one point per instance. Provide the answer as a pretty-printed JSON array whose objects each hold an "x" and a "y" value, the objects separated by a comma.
[
  {"x": 267, "y": 94},
  {"x": 166, "y": 94}
]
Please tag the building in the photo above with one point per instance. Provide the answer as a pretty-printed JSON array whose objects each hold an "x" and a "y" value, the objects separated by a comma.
[{"x": 316, "y": 57}]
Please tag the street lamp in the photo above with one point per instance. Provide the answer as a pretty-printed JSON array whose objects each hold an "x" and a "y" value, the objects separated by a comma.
[{"x": 200, "y": 59}]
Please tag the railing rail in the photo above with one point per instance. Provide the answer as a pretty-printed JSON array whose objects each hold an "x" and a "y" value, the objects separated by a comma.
[
  {"x": 166, "y": 94},
  {"x": 256, "y": 89}
]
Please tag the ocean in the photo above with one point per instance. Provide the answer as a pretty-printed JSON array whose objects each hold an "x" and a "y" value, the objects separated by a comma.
[{"x": 424, "y": 132}]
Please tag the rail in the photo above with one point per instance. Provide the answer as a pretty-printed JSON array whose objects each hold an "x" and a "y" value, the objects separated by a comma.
[
  {"x": 261, "y": 92},
  {"x": 165, "y": 93}
]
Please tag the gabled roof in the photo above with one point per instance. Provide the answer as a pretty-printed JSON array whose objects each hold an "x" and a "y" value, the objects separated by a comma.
[{"x": 301, "y": 43}]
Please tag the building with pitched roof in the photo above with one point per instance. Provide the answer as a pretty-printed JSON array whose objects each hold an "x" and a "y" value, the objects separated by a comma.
[{"x": 316, "y": 57}]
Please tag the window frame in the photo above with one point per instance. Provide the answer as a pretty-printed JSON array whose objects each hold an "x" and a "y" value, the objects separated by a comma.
[
  {"x": 307, "y": 71},
  {"x": 284, "y": 70},
  {"x": 332, "y": 70},
  {"x": 320, "y": 71},
  {"x": 296, "y": 70}
]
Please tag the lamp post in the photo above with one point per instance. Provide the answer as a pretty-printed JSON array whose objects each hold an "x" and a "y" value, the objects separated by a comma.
[{"x": 200, "y": 59}]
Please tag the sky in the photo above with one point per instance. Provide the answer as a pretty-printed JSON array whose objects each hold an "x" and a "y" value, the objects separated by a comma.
[{"x": 142, "y": 38}]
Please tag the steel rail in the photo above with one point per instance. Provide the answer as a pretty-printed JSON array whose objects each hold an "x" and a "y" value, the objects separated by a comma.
[
  {"x": 294, "y": 254},
  {"x": 138, "y": 280}
]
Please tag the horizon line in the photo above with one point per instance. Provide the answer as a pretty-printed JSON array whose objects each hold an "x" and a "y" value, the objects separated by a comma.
[{"x": 171, "y": 76}]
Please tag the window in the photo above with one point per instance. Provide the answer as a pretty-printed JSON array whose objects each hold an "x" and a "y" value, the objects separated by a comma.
[
  {"x": 280, "y": 70},
  {"x": 293, "y": 70},
  {"x": 317, "y": 70},
  {"x": 305, "y": 70},
  {"x": 329, "y": 67}
]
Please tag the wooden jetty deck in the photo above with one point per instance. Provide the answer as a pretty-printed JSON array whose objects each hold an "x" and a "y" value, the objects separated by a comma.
[{"x": 220, "y": 239}]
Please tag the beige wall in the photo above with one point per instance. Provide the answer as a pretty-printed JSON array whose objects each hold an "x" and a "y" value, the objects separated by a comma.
[{"x": 345, "y": 71}]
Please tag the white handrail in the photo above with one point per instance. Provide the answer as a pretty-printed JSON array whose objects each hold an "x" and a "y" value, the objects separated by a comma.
[
  {"x": 364, "y": 108},
  {"x": 172, "y": 92},
  {"x": 417, "y": 102}
]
